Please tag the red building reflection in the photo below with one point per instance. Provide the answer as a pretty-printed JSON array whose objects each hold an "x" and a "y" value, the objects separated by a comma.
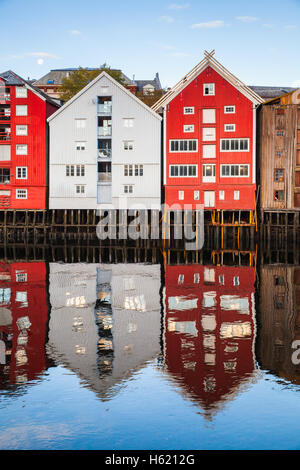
[
  {"x": 210, "y": 331},
  {"x": 23, "y": 322}
]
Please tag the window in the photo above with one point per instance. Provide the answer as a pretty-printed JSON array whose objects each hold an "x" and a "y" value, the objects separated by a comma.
[
  {"x": 128, "y": 122},
  {"x": 189, "y": 110},
  {"x": 80, "y": 145},
  {"x": 209, "y": 116},
  {"x": 184, "y": 145},
  {"x": 208, "y": 89},
  {"x": 221, "y": 279},
  {"x": 80, "y": 123},
  {"x": 21, "y": 149},
  {"x": 196, "y": 195},
  {"x": 21, "y": 193},
  {"x": 280, "y": 133},
  {"x": 196, "y": 278},
  {"x": 279, "y": 301},
  {"x": 188, "y": 128},
  {"x": 21, "y": 92},
  {"x": 21, "y": 172},
  {"x": 4, "y": 175},
  {"x": 234, "y": 145},
  {"x": 278, "y": 174},
  {"x": 21, "y": 130},
  {"x": 80, "y": 170},
  {"x": 189, "y": 171},
  {"x": 229, "y": 127},
  {"x": 209, "y": 133},
  {"x": 221, "y": 195},
  {"x": 181, "y": 195},
  {"x": 209, "y": 173},
  {"x": 234, "y": 171},
  {"x": 229, "y": 109},
  {"x": 128, "y": 189},
  {"x": 21, "y": 276},
  {"x": 209, "y": 151},
  {"x": 236, "y": 195},
  {"x": 80, "y": 189},
  {"x": 71, "y": 170},
  {"x": 21, "y": 110},
  {"x": 278, "y": 196},
  {"x": 128, "y": 145},
  {"x": 278, "y": 154},
  {"x": 138, "y": 170},
  {"x": 180, "y": 277}
]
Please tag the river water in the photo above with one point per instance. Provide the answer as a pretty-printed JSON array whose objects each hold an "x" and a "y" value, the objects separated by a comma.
[{"x": 149, "y": 355}]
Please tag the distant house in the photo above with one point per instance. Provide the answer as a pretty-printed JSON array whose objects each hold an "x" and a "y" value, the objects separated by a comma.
[
  {"x": 105, "y": 150},
  {"x": 148, "y": 86},
  {"x": 270, "y": 92}
]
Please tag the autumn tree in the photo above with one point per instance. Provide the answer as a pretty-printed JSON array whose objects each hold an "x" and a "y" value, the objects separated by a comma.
[
  {"x": 150, "y": 98},
  {"x": 79, "y": 78}
]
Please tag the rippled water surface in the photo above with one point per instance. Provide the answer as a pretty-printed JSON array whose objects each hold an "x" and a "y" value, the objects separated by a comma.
[{"x": 149, "y": 356}]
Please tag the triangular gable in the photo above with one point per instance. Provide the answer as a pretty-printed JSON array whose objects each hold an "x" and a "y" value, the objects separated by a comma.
[
  {"x": 92, "y": 83},
  {"x": 210, "y": 61}
]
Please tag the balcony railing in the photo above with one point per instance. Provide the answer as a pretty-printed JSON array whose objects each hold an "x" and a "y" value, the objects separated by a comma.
[
  {"x": 104, "y": 153},
  {"x": 104, "y": 177},
  {"x": 4, "y": 136},
  {"x": 104, "y": 131},
  {"x": 104, "y": 108},
  {"x": 4, "y": 116},
  {"x": 4, "y": 96}
]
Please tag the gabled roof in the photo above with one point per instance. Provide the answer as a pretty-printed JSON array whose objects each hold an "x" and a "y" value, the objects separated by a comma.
[
  {"x": 210, "y": 61},
  {"x": 92, "y": 83},
  {"x": 58, "y": 75},
  {"x": 12, "y": 79},
  {"x": 155, "y": 83},
  {"x": 270, "y": 92}
]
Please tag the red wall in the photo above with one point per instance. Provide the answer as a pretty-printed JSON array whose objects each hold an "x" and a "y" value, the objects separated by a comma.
[{"x": 225, "y": 95}]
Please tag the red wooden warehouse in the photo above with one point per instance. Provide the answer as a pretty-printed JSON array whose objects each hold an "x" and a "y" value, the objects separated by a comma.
[
  {"x": 209, "y": 139},
  {"x": 24, "y": 110}
]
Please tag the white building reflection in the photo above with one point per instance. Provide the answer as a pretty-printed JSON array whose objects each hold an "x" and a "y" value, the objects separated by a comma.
[{"x": 105, "y": 320}]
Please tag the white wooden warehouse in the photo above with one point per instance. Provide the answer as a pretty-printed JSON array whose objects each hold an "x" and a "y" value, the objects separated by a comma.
[{"x": 105, "y": 150}]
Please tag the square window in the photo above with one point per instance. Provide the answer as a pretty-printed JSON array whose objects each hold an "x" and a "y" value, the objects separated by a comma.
[
  {"x": 80, "y": 189},
  {"x": 128, "y": 122},
  {"x": 80, "y": 145},
  {"x": 21, "y": 172},
  {"x": 181, "y": 195},
  {"x": 21, "y": 130},
  {"x": 21, "y": 149},
  {"x": 278, "y": 196},
  {"x": 188, "y": 128},
  {"x": 21, "y": 92},
  {"x": 80, "y": 123},
  {"x": 21, "y": 193},
  {"x": 208, "y": 89},
  {"x": 189, "y": 110},
  {"x": 209, "y": 133},
  {"x": 21, "y": 110},
  {"x": 128, "y": 145},
  {"x": 229, "y": 109},
  {"x": 229, "y": 127},
  {"x": 209, "y": 116}
]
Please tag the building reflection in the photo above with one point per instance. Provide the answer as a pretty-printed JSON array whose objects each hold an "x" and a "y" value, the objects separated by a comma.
[
  {"x": 23, "y": 322},
  {"x": 105, "y": 320},
  {"x": 210, "y": 331},
  {"x": 279, "y": 321}
]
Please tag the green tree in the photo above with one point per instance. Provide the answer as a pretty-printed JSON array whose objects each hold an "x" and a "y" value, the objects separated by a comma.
[{"x": 78, "y": 79}]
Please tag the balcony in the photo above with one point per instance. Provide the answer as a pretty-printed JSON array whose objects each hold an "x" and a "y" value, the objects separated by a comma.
[
  {"x": 4, "y": 95},
  {"x": 4, "y": 136},
  {"x": 104, "y": 153},
  {"x": 4, "y": 114},
  {"x": 104, "y": 177},
  {"x": 105, "y": 108},
  {"x": 104, "y": 131}
]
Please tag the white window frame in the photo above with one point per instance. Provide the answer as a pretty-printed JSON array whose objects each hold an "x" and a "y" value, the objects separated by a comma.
[
  {"x": 25, "y": 152},
  {"x": 129, "y": 189},
  {"x": 183, "y": 140},
  {"x": 81, "y": 192},
  {"x": 212, "y": 178},
  {"x": 234, "y": 176},
  {"x": 21, "y": 92},
  {"x": 205, "y": 134},
  {"x": 20, "y": 108},
  {"x": 183, "y": 176},
  {"x": 222, "y": 195},
  {"x": 204, "y": 154},
  {"x": 189, "y": 110},
  {"x": 180, "y": 195},
  {"x": 188, "y": 128},
  {"x": 206, "y": 119},
  {"x": 18, "y": 126},
  {"x": 21, "y": 168},
  {"x": 239, "y": 140},
  {"x": 227, "y": 129},
  {"x": 227, "y": 109},
  {"x": 20, "y": 191},
  {"x": 236, "y": 195},
  {"x": 128, "y": 145},
  {"x": 80, "y": 145},
  {"x": 128, "y": 122},
  {"x": 211, "y": 89},
  {"x": 196, "y": 195}
]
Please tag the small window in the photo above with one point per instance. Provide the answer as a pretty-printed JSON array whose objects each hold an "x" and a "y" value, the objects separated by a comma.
[
  {"x": 189, "y": 110},
  {"x": 21, "y": 110},
  {"x": 196, "y": 195},
  {"x": 229, "y": 109},
  {"x": 236, "y": 281},
  {"x": 181, "y": 195},
  {"x": 278, "y": 154},
  {"x": 209, "y": 151},
  {"x": 278, "y": 280},
  {"x": 236, "y": 196},
  {"x": 208, "y": 89},
  {"x": 280, "y": 133},
  {"x": 278, "y": 175},
  {"x": 209, "y": 133},
  {"x": 278, "y": 196},
  {"x": 222, "y": 195},
  {"x": 80, "y": 189},
  {"x": 80, "y": 123},
  {"x": 21, "y": 92},
  {"x": 21, "y": 172},
  {"x": 128, "y": 122},
  {"x": 128, "y": 189},
  {"x": 21, "y": 130},
  {"x": 209, "y": 116},
  {"x": 21, "y": 193},
  {"x": 180, "y": 278},
  {"x": 221, "y": 279},
  {"x": 80, "y": 145},
  {"x": 196, "y": 278},
  {"x": 80, "y": 170},
  {"x": 21, "y": 149},
  {"x": 128, "y": 145},
  {"x": 229, "y": 127},
  {"x": 21, "y": 276},
  {"x": 188, "y": 128}
]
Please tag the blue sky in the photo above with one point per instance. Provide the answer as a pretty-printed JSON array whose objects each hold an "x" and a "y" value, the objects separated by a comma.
[{"x": 258, "y": 41}]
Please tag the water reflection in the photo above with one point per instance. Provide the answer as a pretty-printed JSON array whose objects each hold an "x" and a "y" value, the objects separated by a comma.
[{"x": 210, "y": 331}]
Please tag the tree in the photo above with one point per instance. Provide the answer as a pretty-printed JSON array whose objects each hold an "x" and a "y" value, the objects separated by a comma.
[
  {"x": 150, "y": 98},
  {"x": 82, "y": 76}
]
